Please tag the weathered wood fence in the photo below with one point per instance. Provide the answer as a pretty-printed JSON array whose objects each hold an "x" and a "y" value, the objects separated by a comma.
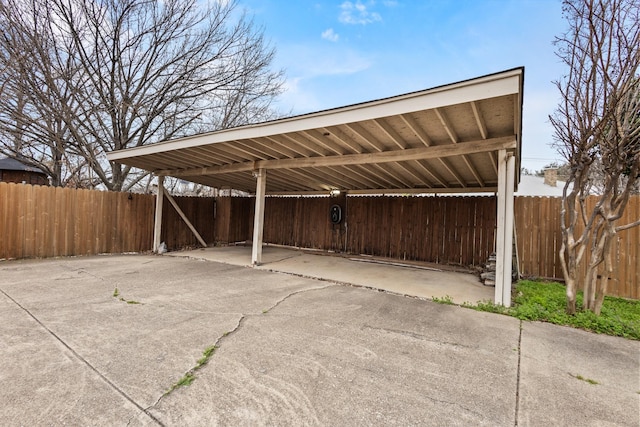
[
  {"x": 48, "y": 221},
  {"x": 43, "y": 222},
  {"x": 539, "y": 239}
]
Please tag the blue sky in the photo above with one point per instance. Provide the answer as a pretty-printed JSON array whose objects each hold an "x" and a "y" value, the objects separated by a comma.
[{"x": 337, "y": 53}]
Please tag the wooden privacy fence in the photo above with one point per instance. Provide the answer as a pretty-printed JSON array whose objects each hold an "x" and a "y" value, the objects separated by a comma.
[
  {"x": 539, "y": 240},
  {"x": 451, "y": 230},
  {"x": 49, "y": 221},
  {"x": 45, "y": 222}
]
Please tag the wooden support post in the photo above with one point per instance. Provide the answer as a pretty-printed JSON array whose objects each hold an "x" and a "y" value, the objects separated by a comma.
[
  {"x": 184, "y": 217},
  {"x": 258, "y": 222},
  {"x": 508, "y": 230},
  {"x": 504, "y": 230},
  {"x": 157, "y": 228},
  {"x": 500, "y": 231}
]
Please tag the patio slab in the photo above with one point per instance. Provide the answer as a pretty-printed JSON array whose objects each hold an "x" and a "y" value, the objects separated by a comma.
[{"x": 405, "y": 278}]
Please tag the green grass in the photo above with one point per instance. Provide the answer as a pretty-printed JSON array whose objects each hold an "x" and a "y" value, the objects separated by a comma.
[
  {"x": 447, "y": 300},
  {"x": 547, "y": 302}
]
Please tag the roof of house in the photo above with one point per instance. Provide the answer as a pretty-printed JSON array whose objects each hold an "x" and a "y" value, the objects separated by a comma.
[
  {"x": 531, "y": 185},
  {"x": 9, "y": 164}
]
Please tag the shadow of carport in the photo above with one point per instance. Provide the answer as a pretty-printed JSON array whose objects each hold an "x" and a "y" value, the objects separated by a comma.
[{"x": 414, "y": 279}]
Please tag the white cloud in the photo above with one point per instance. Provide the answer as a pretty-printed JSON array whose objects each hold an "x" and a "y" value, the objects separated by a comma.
[
  {"x": 330, "y": 35},
  {"x": 357, "y": 13}
]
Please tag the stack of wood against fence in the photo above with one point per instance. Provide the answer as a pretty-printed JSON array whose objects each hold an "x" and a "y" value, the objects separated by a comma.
[{"x": 49, "y": 221}]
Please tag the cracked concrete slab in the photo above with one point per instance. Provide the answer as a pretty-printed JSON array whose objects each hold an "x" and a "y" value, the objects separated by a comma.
[
  {"x": 350, "y": 356},
  {"x": 300, "y": 352},
  {"x": 142, "y": 349}
]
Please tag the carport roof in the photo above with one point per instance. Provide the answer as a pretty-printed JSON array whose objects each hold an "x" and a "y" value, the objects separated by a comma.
[{"x": 443, "y": 139}]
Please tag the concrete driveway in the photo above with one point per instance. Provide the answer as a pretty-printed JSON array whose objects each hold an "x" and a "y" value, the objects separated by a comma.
[{"x": 288, "y": 351}]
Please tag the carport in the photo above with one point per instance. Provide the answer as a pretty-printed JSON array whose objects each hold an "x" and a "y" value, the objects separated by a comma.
[{"x": 463, "y": 137}]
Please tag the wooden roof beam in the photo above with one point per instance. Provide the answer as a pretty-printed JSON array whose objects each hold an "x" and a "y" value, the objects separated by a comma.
[
  {"x": 391, "y": 133},
  {"x": 482, "y": 127},
  {"x": 448, "y": 127},
  {"x": 417, "y": 129},
  {"x": 434, "y": 175},
  {"x": 437, "y": 151},
  {"x": 317, "y": 150},
  {"x": 299, "y": 149},
  {"x": 343, "y": 139},
  {"x": 366, "y": 136},
  {"x": 323, "y": 141},
  {"x": 473, "y": 169},
  {"x": 363, "y": 173}
]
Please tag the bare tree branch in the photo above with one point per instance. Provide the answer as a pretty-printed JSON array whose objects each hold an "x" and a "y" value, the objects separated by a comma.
[{"x": 91, "y": 76}]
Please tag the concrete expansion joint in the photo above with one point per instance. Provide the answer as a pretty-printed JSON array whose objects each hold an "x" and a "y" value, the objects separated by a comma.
[
  {"x": 80, "y": 358},
  {"x": 515, "y": 423}
]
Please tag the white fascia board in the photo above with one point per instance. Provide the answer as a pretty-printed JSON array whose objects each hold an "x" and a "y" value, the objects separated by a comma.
[{"x": 493, "y": 86}]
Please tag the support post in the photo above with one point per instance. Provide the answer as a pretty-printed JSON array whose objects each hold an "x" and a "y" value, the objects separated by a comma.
[
  {"x": 157, "y": 227},
  {"x": 508, "y": 230},
  {"x": 258, "y": 221},
  {"x": 502, "y": 175},
  {"x": 504, "y": 229}
]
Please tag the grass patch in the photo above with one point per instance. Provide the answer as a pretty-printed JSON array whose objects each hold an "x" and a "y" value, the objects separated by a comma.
[
  {"x": 116, "y": 293},
  {"x": 447, "y": 300},
  {"x": 547, "y": 302}
]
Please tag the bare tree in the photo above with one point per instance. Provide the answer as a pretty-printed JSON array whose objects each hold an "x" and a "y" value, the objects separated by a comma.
[
  {"x": 597, "y": 126},
  {"x": 115, "y": 74}
]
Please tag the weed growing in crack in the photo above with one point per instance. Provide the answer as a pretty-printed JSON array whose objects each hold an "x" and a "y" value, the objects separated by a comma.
[
  {"x": 116, "y": 294},
  {"x": 188, "y": 378},
  {"x": 206, "y": 354},
  {"x": 588, "y": 380},
  {"x": 185, "y": 381}
]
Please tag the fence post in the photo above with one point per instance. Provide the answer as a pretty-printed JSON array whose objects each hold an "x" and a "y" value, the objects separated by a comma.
[{"x": 158, "y": 217}]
